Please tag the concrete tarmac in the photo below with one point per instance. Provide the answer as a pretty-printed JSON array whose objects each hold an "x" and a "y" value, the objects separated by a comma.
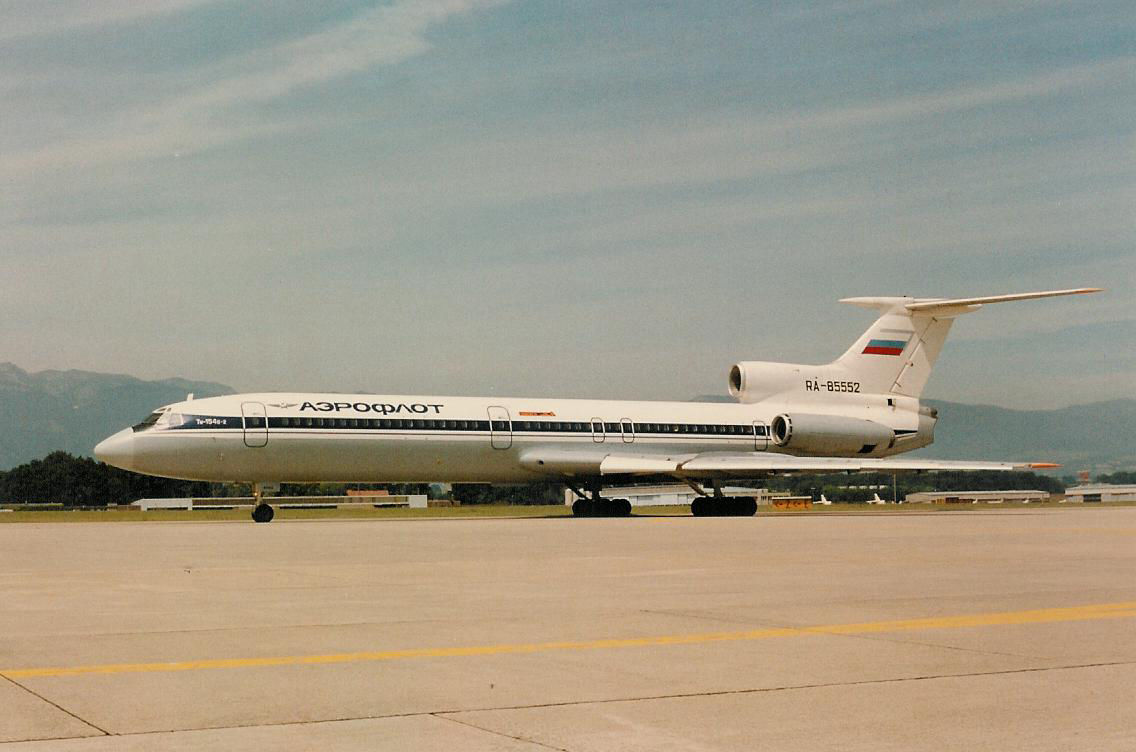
[{"x": 1011, "y": 629}]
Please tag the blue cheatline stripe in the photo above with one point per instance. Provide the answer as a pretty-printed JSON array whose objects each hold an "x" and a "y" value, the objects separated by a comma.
[
  {"x": 214, "y": 422},
  {"x": 900, "y": 343}
]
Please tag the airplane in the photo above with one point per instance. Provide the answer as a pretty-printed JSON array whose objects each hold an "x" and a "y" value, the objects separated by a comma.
[{"x": 851, "y": 415}]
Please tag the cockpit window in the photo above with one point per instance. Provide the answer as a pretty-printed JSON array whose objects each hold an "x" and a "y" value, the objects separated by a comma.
[{"x": 149, "y": 421}]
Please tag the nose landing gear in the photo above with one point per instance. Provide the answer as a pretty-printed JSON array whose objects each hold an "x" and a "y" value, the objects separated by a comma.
[{"x": 261, "y": 512}]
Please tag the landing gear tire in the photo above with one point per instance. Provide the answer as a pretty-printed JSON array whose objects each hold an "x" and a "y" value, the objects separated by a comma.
[
  {"x": 601, "y": 507},
  {"x": 263, "y": 513},
  {"x": 723, "y": 506}
]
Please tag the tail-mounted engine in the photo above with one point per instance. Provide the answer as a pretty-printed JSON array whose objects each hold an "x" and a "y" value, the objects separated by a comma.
[
  {"x": 754, "y": 380},
  {"x": 829, "y": 434}
]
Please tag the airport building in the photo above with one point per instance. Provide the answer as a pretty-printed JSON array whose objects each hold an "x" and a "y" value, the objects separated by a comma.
[
  {"x": 976, "y": 497},
  {"x": 1100, "y": 492}
]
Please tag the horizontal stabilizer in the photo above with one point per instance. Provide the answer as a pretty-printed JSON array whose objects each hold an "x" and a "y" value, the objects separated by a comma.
[
  {"x": 931, "y": 306},
  {"x": 897, "y": 353}
]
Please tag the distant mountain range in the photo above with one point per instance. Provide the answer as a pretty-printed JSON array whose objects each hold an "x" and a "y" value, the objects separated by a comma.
[
  {"x": 73, "y": 410},
  {"x": 1099, "y": 437}
]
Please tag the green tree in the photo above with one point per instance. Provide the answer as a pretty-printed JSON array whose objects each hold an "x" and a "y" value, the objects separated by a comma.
[
  {"x": 1122, "y": 478},
  {"x": 80, "y": 481}
]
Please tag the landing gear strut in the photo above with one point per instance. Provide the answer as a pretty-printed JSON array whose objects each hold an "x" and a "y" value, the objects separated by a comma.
[
  {"x": 597, "y": 506},
  {"x": 261, "y": 512}
]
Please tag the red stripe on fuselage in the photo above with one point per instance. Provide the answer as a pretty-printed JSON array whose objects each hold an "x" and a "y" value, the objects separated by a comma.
[{"x": 882, "y": 350}]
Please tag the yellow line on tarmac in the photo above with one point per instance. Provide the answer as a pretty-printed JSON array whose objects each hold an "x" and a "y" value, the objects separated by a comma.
[{"x": 1093, "y": 612}]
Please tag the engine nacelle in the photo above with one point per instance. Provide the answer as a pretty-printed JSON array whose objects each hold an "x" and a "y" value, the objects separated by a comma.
[
  {"x": 753, "y": 380},
  {"x": 829, "y": 434}
]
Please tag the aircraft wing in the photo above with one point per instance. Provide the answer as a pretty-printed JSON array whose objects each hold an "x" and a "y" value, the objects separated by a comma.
[
  {"x": 714, "y": 464},
  {"x": 709, "y": 465}
]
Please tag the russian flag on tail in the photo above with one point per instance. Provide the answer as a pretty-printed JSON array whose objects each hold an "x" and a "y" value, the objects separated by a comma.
[{"x": 886, "y": 346}]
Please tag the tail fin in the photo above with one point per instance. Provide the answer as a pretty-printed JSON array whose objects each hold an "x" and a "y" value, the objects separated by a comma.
[{"x": 899, "y": 350}]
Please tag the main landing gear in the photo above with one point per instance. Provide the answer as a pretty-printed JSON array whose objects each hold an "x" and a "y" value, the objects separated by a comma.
[
  {"x": 261, "y": 512},
  {"x": 719, "y": 505},
  {"x": 724, "y": 506},
  {"x": 597, "y": 506},
  {"x": 601, "y": 507}
]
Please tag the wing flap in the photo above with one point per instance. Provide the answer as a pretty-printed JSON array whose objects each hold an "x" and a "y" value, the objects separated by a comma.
[
  {"x": 601, "y": 461},
  {"x": 645, "y": 464}
]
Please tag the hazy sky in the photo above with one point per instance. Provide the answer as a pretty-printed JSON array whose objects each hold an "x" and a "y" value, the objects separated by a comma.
[{"x": 563, "y": 198}]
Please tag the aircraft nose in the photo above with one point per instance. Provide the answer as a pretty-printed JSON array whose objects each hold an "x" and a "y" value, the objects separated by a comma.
[{"x": 117, "y": 450}]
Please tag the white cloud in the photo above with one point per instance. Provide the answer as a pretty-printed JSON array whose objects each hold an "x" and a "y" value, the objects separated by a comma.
[
  {"x": 27, "y": 18},
  {"x": 208, "y": 115}
]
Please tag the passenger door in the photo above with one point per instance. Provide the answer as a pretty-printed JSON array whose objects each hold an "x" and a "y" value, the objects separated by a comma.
[
  {"x": 760, "y": 436},
  {"x": 627, "y": 428},
  {"x": 255, "y": 423},
  {"x": 500, "y": 428}
]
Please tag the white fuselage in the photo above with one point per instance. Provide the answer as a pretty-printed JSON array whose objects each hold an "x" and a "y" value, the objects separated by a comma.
[
  {"x": 303, "y": 437},
  {"x": 843, "y": 416}
]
